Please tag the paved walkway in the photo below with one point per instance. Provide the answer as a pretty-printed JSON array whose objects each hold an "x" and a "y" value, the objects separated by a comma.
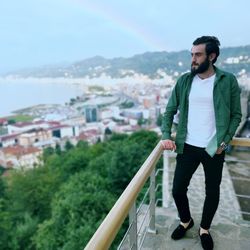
[
  {"x": 227, "y": 235},
  {"x": 229, "y": 230}
]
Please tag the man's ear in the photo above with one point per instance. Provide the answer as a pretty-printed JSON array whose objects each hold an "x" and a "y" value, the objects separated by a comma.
[{"x": 211, "y": 57}]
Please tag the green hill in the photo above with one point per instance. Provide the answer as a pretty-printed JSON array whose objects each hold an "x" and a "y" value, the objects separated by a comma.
[{"x": 233, "y": 59}]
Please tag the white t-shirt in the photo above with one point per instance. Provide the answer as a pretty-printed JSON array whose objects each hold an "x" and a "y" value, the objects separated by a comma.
[{"x": 201, "y": 118}]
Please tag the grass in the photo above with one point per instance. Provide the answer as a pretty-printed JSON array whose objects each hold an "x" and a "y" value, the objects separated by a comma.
[{"x": 20, "y": 118}]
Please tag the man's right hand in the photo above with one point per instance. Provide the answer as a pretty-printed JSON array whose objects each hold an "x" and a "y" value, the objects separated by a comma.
[{"x": 168, "y": 145}]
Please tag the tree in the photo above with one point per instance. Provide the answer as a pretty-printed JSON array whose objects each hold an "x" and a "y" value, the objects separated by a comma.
[
  {"x": 11, "y": 121},
  {"x": 74, "y": 160},
  {"x": 5, "y": 226},
  {"x": 68, "y": 145},
  {"x": 23, "y": 233},
  {"x": 82, "y": 144},
  {"x": 123, "y": 165},
  {"x": 118, "y": 137},
  {"x": 59, "y": 205},
  {"x": 143, "y": 121},
  {"x": 77, "y": 210},
  {"x": 2, "y": 187},
  {"x": 58, "y": 150},
  {"x": 47, "y": 152},
  {"x": 128, "y": 157},
  {"x": 107, "y": 133},
  {"x": 32, "y": 191}
]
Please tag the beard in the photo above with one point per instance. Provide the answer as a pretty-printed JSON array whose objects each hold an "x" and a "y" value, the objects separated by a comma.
[{"x": 203, "y": 67}]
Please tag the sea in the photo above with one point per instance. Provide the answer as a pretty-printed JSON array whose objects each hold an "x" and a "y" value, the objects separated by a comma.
[
  {"x": 19, "y": 93},
  {"x": 22, "y": 93}
]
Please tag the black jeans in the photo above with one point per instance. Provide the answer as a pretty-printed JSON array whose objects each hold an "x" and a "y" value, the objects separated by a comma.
[{"x": 186, "y": 165}]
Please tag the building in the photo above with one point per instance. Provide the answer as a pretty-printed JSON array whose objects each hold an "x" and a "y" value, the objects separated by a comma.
[
  {"x": 62, "y": 131},
  {"x": 133, "y": 113},
  {"x": 90, "y": 135},
  {"x": 21, "y": 127},
  {"x": 29, "y": 138},
  {"x": 9, "y": 140},
  {"x": 91, "y": 114},
  {"x": 20, "y": 157}
]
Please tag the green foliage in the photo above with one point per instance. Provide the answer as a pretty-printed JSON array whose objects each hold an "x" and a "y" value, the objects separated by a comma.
[
  {"x": 126, "y": 105},
  {"x": 124, "y": 163},
  {"x": 2, "y": 187},
  {"x": 5, "y": 225},
  {"x": 82, "y": 144},
  {"x": 47, "y": 152},
  {"x": 60, "y": 205},
  {"x": 2, "y": 169},
  {"x": 75, "y": 217},
  {"x": 118, "y": 137},
  {"x": 142, "y": 121},
  {"x": 147, "y": 140},
  {"x": 11, "y": 121},
  {"x": 24, "y": 232},
  {"x": 74, "y": 161},
  {"x": 147, "y": 64},
  {"x": 107, "y": 131},
  {"x": 31, "y": 191},
  {"x": 123, "y": 157},
  {"x": 68, "y": 145},
  {"x": 58, "y": 150},
  {"x": 20, "y": 118}
]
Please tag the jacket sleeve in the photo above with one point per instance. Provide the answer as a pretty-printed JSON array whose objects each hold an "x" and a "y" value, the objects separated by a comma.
[
  {"x": 235, "y": 113},
  {"x": 171, "y": 110}
]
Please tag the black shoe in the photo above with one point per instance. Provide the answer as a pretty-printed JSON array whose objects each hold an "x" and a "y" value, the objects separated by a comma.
[
  {"x": 206, "y": 241},
  {"x": 180, "y": 231}
]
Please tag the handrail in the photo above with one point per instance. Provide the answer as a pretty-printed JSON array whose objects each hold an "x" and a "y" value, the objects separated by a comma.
[
  {"x": 105, "y": 234},
  {"x": 107, "y": 231},
  {"x": 240, "y": 141}
]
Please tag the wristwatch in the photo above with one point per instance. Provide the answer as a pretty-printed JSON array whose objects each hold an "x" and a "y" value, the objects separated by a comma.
[{"x": 223, "y": 146}]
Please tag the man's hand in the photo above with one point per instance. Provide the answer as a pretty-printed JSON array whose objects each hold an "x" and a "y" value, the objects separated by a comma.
[
  {"x": 168, "y": 145},
  {"x": 219, "y": 151},
  {"x": 223, "y": 146}
]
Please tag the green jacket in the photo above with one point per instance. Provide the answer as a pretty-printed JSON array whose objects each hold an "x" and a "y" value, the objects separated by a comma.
[{"x": 227, "y": 107}]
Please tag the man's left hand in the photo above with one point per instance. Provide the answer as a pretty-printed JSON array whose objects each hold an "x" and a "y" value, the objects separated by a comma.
[{"x": 219, "y": 151}]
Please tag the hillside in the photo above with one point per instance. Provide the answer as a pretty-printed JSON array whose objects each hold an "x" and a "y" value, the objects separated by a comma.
[{"x": 152, "y": 64}]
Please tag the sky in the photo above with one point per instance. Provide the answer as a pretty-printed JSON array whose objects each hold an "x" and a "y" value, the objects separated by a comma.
[{"x": 35, "y": 33}]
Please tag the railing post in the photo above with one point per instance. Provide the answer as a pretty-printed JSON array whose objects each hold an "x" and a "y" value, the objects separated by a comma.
[
  {"x": 151, "y": 228},
  {"x": 165, "y": 180},
  {"x": 133, "y": 229}
]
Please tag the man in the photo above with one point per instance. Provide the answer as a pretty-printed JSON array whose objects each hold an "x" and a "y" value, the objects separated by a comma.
[{"x": 208, "y": 100}]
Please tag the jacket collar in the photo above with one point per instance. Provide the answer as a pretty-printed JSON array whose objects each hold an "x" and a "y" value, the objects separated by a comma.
[{"x": 218, "y": 74}]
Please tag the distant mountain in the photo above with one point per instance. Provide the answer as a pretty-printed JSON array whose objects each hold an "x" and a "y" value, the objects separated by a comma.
[{"x": 152, "y": 64}]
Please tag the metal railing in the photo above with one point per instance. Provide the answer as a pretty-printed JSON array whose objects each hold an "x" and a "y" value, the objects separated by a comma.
[
  {"x": 143, "y": 217},
  {"x": 241, "y": 196},
  {"x": 126, "y": 204},
  {"x": 107, "y": 231}
]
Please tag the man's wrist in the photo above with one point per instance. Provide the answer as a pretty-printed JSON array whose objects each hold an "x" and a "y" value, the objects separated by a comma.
[{"x": 224, "y": 146}]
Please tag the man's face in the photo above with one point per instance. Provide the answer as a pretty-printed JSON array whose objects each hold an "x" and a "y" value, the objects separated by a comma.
[{"x": 200, "y": 62}]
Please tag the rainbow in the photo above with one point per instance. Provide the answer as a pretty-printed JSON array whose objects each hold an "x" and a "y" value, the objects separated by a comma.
[{"x": 128, "y": 27}]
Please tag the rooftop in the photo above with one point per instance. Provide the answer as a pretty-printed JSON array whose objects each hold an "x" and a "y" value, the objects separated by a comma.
[{"x": 19, "y": 150}]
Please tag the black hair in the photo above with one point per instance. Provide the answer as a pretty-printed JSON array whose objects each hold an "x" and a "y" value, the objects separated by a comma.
[{"x": 212, "y": 45}]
